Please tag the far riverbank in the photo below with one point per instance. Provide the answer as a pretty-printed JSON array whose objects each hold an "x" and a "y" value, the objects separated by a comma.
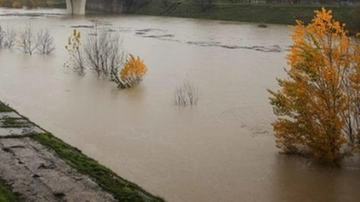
[{"x": 255, "y": 13}]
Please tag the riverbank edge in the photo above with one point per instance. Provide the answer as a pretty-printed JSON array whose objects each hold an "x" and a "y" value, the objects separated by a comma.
[
  {"x": 120, "y": 188},
  {"x": 283, "y": 14}
]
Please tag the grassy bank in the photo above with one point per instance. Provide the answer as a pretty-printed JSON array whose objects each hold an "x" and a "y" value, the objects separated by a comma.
[
  {"x": 6, "y": 195},
  {"x": 5, "y": 108},
  {"x": 257, "y": 13},
  {"x": 120, "y": 188}
]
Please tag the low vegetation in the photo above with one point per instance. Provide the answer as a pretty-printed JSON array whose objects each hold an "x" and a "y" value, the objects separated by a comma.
[
  {"x": 6, "y": 195},
  {"x": 14, "y": 123},
  {"x": 74, "y": 48},
  {"x": 40, "y": 42},
  {"x": 317, "y": 106},
  {"x": 7, "y": 38},
  {"x": 132, "y": 73},
  {"x": 27, "y": 40},
  {"x": 45, "y": 42},
  {"x": 4, "y": 108},
  {"x": 102, "y": 53},
  {"x": 186, "y": 95}
]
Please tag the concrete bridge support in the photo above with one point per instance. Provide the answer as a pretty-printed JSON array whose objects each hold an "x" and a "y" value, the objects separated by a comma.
[{"x": 75, "y": 7}]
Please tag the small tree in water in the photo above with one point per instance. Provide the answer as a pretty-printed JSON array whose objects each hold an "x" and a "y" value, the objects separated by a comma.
[{"x": 318, "y": 104}]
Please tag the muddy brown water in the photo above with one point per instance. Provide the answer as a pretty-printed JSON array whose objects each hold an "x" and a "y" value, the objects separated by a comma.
[{"x": 221, "y": 150}]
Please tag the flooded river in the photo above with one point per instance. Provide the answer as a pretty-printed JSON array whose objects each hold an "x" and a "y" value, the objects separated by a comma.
[{"x": 220, "y": 150}]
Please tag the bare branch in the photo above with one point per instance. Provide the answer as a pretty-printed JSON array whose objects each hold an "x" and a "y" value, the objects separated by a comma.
[
  {"x": 45, "y": 42},
  {"x": 185, "y": 95}
]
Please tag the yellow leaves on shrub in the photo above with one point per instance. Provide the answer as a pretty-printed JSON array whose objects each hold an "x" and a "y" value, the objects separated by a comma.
[
  {"x": 132, "y": 72},
  {"x": 134, "y": 67},
  {"x": 73, "y": 46},
  {"x": 317, "y": 105},
  {"x": 73, "y": 41},
  {"x": 76, "y": 35}
]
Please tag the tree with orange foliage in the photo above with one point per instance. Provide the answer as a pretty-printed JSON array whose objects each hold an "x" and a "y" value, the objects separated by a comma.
[
  {"x": 132, "y": 72},
  {"x": 317, "y": 106}
]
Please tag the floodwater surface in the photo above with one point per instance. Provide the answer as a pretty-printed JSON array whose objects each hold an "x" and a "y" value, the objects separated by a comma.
[{"x": 220, "y": 150}]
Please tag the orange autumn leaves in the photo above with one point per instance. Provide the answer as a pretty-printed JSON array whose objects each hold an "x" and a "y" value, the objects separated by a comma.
[
  {"x": 317, "y": 105},
  {"x": 134, "y": 66},
  {"x": 132, "y": 72}
]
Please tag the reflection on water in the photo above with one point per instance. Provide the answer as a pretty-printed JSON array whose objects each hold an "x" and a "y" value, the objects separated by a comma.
[
  {"x": 314, "y": 182},
  {"x": 220, "y": 150}
]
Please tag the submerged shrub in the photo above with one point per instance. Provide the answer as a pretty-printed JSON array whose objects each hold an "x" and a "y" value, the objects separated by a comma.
[
  {"x": 30, "y": 42},
  {"x": 27, "y": 41},
  {"x": 132, "y": 73},
  {"x": 10, "y": 38},
  {"x": 73, "y": 47},
  {"x": 2, "y": 37},
  {"x": 102, "y": 53},
  {"x": 7, "y": 38},
  {"x": 185, "y": 95}
]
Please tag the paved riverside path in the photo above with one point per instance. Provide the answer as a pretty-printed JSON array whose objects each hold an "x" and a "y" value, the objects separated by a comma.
[{"x": 35, "y": 172}]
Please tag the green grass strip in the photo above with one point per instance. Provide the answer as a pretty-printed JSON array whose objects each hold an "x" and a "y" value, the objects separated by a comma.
[
  {"x": 4, "y": 108},
  {"x": 14, "y": 122}
]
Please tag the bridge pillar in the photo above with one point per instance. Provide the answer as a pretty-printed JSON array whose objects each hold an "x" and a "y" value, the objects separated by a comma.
[{"x": 76, "y": 7}]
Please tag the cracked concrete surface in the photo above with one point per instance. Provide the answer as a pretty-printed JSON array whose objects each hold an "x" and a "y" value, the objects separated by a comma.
[
  {"x": 37, "y": 174},
  {"x": 18, "y": 126}
]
